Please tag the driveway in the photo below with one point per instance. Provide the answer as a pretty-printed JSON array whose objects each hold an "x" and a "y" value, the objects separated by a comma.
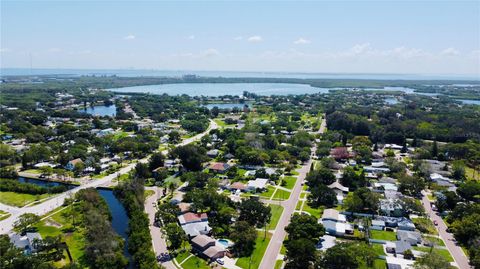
[{"x": 457, "y": 253}]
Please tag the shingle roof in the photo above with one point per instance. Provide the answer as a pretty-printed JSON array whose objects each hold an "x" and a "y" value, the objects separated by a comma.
[{"x": 202, "y": 240}]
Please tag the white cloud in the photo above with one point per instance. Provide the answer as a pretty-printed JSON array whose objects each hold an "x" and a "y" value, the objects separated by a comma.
[
  {"x": 4, "y": 50},
  {"x": 450, "y": 52},
  {"x": 191, "y": 37},
  {"x": 301, "y": 41},
  {"x": 129, "y": 37},
  {"x": 210, "y": 53},
  {"x": 255, "y": 38}
]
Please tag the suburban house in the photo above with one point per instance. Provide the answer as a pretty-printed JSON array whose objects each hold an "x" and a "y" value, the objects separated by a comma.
[
  {"x": 25, "y": 242},
  {"x": 257, "y": 184},
  {"x": 335, "y": 223},
  {"x": 391, "y": 207},
  {"x": 194, "y": 224},
  {"x": 212, "y": 153},
  {"x": 378, "y": 225},
  {"x": 184, "y": 207},
  {"x": 105, "y": 132},
  {"x": 397, "y": 247},
  {"x": 413, "y": 238},
  {"x": 206, "y": 246},
  {"x": 219, "y": 167},
  {"x": 339, "y": 190},
  {"x": 237, "y": 186},
  {"x": 71, "y": 164}
]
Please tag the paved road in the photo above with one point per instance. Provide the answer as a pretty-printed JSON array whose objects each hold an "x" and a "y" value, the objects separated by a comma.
[
  {"x": 41, "y": 209},
  {"x": 273, "y": 249},
  {"x": 158, "y": 242},
  {"x": 460, "y": 258}
]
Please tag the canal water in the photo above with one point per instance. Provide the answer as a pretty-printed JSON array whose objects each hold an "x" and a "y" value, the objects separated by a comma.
[
  {"x": 117, "y": 211},
  {"x": 119, "y": 217}
]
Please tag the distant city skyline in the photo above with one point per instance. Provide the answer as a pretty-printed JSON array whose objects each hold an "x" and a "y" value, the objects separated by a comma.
[{"x": 427, "y": 37}]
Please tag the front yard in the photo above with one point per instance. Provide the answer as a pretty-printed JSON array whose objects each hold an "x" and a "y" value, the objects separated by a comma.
[
  {"x": 383, "y": 235},
  {"x": 257, "y": 255}
]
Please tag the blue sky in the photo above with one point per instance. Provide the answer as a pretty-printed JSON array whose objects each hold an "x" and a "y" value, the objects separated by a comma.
[{"x": 441, "y": 37}]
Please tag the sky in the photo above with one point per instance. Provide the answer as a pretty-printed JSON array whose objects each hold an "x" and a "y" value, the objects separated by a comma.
[{"x": 411, "y": 37}]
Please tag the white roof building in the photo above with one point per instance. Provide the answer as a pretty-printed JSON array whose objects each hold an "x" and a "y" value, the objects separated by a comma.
[{"x": 259, "y": 183}]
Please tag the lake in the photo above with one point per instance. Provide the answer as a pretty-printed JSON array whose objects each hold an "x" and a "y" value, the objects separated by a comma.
[
  {"x": 391, "y": 101},
  {"x": 226, "y": 105},
  {"x": 101, "y": 110},
  {"x": 119, "y": 217},
  {"x": 219, "y": 89},
  {"x": 469, "y": 101}
]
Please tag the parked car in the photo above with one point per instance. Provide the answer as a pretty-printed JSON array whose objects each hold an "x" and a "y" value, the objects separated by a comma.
[
  {"x": 220, "y": 261},
  {"x": 435, "y": 222}
]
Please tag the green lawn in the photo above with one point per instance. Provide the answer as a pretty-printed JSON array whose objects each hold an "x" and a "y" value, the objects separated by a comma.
[
  {"x": 289, "y": 182},
  {"x": 444, "y": 252},
  {"x": 20, "y": 199},
  {"x": 195, "y": 262},
  {"x": 267, "y": 194},
  {"x": 425, "y": 225},
  {"x": 299, "y": 205},
  {"x": 281, "y": 195},
  {"x": 472, "y": 174},
  {"x": 383, "y": 235},
  {"x": 378, "y": 249},
  {"x": 278, "y": 264},
  {"x": 182, "y": 255},
  {"x": 74, "y": 240},
  {"x": 276, "y": 213},
  {"x": 303, "y": 195},
  {"x": 435, "y": 240},
  {"x": 33, "y": 171},
  {"x": 316, "y": 212},
  {"x": 256, "y": 257}
]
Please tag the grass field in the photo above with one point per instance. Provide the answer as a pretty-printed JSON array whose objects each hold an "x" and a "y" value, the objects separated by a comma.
[
  {"x": 281, "y": 195},
  {"x": 278, "y": 264},
  {"x": 435, "y": 240},
  {"x": 195, "y": 262},
  {"x": 20, "y": 199},
  {"x": 276, "y": 214},
  {"x": 267, "y": 194},
  {"x": 472, "y": 174},
  {"x": 383, "y": 235},
  {"x": 443, "y": 252},
  {"x": 299, "y": 205},
  {"x": 74, "y": 240},
  {"x": 378, "y": 249},
  {"x": 33, "y": 171},
  {"x": 425, "y": 225},
  {"x": 289, "y": 182},
  {"x": 316, "y": 212},
  {"x": 256, "y": 257}
]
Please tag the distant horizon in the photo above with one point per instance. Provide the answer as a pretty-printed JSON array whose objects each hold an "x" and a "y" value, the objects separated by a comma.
[{"x": 23, "y": 71}]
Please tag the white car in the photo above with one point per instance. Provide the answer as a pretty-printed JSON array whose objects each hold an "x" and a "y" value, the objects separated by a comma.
[{"x": 220, "y": 261}]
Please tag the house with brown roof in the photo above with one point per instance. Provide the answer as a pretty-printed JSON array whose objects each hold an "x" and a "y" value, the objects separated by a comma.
[
  {"x": 190, "y": 217},
  {"x": 202, "y": 242},
  {"x": 218, "y": 167},
  {"x": 237, "y": 186},
  {"x": 71, "y": 164}
]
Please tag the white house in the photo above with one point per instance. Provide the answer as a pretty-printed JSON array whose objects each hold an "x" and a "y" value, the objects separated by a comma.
[{"x": 257, "y": 184}]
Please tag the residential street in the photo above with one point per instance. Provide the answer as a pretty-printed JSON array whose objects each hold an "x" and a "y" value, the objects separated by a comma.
[
  {"x": 7, "y": 225},
  {"x": 158, "y": 242},
  {"x": 273, "y": 249},
  {"x": 458, "y": 255}
]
